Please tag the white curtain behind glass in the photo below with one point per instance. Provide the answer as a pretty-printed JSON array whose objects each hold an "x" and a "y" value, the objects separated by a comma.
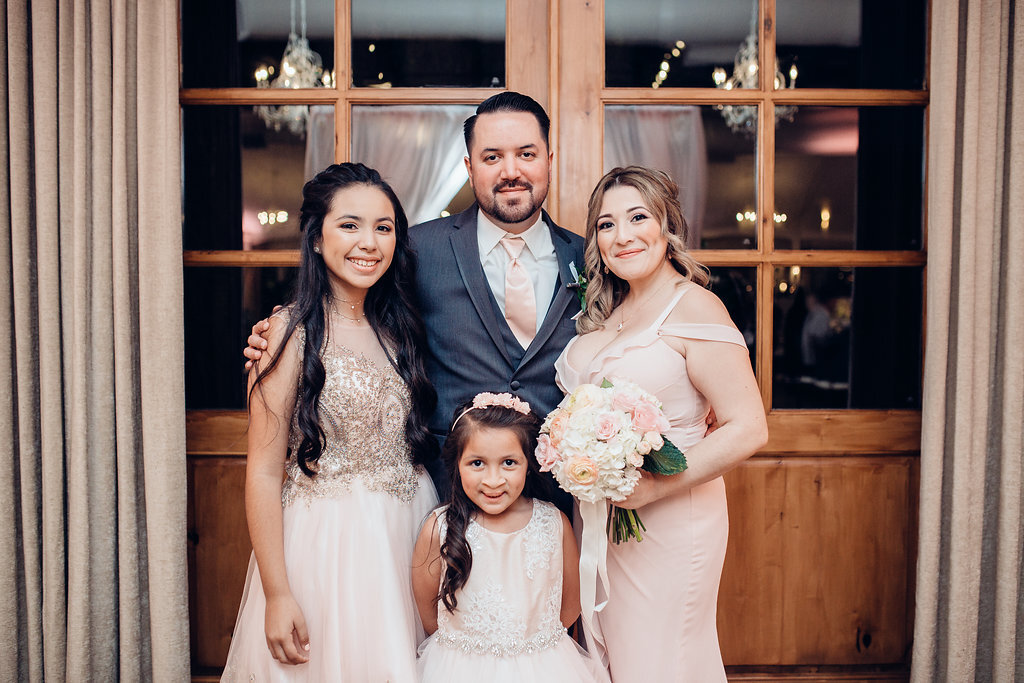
[
  {"x": 417, "y": 148},
  {"x": 668, "y": 138}
]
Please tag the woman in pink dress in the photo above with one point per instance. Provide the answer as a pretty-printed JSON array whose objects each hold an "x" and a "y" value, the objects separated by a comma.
[{"x": 650, "y": 320}]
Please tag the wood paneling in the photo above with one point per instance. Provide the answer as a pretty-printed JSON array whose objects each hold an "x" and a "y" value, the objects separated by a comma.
[
  {"x": 218, "y": 555},
  {"x": 833, "y": 433},
  {"x": 580, "y": 123},
  {"x": 820, "y": 551},
  {"x": 526, "y": 47},
  {"x": 709, "y": 257},
  {"x": 839, "y": 432}
]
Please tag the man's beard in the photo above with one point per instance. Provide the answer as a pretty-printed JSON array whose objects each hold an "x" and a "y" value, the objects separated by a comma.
[{"x": 511, "y": 214}]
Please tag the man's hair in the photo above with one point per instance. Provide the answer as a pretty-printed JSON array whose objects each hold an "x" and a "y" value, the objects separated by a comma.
[{"x": 511, "y": 102}]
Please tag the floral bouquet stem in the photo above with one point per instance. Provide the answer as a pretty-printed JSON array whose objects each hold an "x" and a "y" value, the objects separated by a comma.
[{"x": 624, "y": 524}]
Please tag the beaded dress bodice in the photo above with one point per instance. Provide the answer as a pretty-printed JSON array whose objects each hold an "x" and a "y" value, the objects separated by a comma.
[
  {"x": 363, "y": 410},
  {"x": 511, "y": 603}
]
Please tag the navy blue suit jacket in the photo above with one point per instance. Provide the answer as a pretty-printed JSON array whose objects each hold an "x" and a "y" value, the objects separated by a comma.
[{"x": 471, "y": 348}]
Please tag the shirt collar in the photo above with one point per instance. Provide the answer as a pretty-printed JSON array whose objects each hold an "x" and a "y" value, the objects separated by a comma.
[{"x": 488, "y": 235}]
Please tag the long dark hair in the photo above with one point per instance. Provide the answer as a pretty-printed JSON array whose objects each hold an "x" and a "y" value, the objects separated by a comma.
[
  {"x": 388, "y": 307},
  {"x": 455, "y": 551}
]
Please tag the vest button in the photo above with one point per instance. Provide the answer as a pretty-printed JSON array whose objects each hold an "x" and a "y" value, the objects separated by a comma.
[{"x": 515, "y": 385}]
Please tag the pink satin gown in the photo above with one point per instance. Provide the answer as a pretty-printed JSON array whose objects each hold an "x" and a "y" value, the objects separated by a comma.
[{"x": 659, "y": 623}]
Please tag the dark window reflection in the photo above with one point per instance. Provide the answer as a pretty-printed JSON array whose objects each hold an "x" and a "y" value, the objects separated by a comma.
[
  {"x": 853, "y": 44},
  {"x": 849, "y": 178},
  {"x": 221, "y": 305},
  {"x": 407, "y": 43},
  {"x": 847, "y": 338},
  {"x": 714, "y": 166},
  {"x": 225, "y": 44},
  {"x": 666, "y": 43},
  {"x": 243, "y": 178},
  {"x": 736, "y": 287}
]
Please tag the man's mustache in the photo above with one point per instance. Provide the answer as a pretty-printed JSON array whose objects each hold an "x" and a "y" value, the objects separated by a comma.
[{"x": 513, "y": 185}]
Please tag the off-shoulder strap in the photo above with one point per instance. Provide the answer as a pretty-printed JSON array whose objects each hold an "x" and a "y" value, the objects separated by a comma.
[
  {"x": 704, "y": 331},
  {"x": 680, "y": 293}
]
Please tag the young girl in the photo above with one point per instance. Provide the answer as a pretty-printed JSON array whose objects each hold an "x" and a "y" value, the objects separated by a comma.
[
  {"x": 334, "y": 491},
  {"x": 505, "y": 561}
]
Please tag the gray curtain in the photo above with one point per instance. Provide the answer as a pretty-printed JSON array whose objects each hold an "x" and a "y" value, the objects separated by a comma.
[
  {"x": 93, "y": 470},
  {"x": 969, "y": 623}
]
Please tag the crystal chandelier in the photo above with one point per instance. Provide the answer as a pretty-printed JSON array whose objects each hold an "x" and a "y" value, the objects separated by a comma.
[
  {"x": 300, "y": 68},
  {"x": 743, "y": 117}
]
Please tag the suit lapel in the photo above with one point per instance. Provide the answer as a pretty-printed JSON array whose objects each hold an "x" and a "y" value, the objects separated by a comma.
[
  {"x": 467, "y": 257},
  {"x": 563, "y": 295}
]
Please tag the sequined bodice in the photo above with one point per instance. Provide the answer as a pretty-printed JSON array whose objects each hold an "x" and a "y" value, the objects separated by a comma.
[
  {"x": 511, "y": 603},
  {"x": 363, "y": 411}
]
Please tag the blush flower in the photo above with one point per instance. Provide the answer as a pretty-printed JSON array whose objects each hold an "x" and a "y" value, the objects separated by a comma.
[
  {"x": 606, "y": 427},
  {"x": 596, "y": 442},
  {"x": 547, "y": 454},
  {"x": 582, "y": 470},
  {"x": 654, "y": 438},
  {"x": 648, "y": 418}
]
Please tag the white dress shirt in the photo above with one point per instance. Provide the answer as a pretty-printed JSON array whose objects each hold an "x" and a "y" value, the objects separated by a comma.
[{"x": 538, "y": 257}]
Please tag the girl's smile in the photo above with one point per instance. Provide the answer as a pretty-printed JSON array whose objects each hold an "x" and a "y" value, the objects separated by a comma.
[{"x": 493, "y": 469}]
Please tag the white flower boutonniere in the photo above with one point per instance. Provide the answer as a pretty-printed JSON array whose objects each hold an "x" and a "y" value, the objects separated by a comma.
[{"x": 579, "y": 284}]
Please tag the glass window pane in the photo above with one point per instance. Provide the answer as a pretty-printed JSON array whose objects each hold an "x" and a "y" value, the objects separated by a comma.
[
  {"x": 854, "y": 43},
  {"x": 655, "y": 43},
  {"x": 221, "y": 306},
  {"x": 849, "y": 178},
  {"x": 226, "y": 44},
  {"x": 402, "y": 43},
  {"x": 847, "y": 338},
  {"x": 419, "y": 149},
  {"x": 737, "y": 288},
  {"x": 243, "y": 179},
  {"x": 714, "y": 168}
]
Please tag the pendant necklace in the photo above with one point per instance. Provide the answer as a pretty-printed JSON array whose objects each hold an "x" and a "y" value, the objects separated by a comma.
[
  {"x": 648, "y": 298},
  {"x": 351, "y": 305}
]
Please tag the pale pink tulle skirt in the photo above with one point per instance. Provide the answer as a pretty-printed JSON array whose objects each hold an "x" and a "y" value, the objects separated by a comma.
[
  {"x": 565, "y": 662},
  {"x": 348, "y": 562}
]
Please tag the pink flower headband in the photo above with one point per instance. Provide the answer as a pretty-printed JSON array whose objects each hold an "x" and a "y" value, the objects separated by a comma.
[{"x": 486, "y": 400}]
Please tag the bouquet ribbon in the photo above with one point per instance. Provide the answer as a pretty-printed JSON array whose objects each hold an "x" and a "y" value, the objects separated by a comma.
[{"x": 593, "y": 567}]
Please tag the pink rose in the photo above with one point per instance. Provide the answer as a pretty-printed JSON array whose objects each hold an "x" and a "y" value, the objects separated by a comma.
[
  {"x": 654, "y": 438},
  {"x": 624, "y": 400},
  {"x": 607, "y": 426},
  {"x": 635, "y": 459},
  {"x": 557, "y": 427},
  {"x": 547, "y": 454},
  {"x": 647, "y": 417},
  {"x": 582, "y": 470}
]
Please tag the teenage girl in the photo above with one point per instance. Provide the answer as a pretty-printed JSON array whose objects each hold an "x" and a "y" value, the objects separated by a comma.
[{"x": 495, "y": 571}]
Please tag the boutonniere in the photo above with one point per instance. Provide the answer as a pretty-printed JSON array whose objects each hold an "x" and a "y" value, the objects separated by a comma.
[{"x": 579, "y": 284}]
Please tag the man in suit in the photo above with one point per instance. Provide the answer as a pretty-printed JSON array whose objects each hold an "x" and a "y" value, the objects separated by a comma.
[
  {"x": 463, "y": 267},
  {"x": 498, "y": 310}
]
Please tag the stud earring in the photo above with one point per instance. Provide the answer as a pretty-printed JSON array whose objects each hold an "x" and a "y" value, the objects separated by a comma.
[{"x": 316, "y": 249}]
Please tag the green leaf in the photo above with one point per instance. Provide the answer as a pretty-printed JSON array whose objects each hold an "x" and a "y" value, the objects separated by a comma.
[
  {"x": 666, "y": 460},
  {"x": 605, "y": 384}
]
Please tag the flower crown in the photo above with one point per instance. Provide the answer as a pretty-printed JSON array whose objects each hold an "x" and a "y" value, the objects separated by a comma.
[{"x": 487, "y": 400}]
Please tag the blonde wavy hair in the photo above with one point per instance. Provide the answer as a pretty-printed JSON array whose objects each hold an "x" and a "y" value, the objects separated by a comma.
[{"x": 605, "y": 291}]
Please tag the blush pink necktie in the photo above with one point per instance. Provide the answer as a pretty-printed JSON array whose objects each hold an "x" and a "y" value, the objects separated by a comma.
[{"x": 520, "y": 303}]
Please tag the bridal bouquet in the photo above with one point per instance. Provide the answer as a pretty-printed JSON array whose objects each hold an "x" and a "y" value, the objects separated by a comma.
[{"x": 596, "y": 442}]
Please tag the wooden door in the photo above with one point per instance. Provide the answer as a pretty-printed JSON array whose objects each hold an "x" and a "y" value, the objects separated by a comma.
[{"x": 818, "y": 582}]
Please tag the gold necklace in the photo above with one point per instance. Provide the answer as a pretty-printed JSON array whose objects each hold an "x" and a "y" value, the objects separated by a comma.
[
  {"x": 338, "y": 313},
  {"x": 639, "y": 306}
]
